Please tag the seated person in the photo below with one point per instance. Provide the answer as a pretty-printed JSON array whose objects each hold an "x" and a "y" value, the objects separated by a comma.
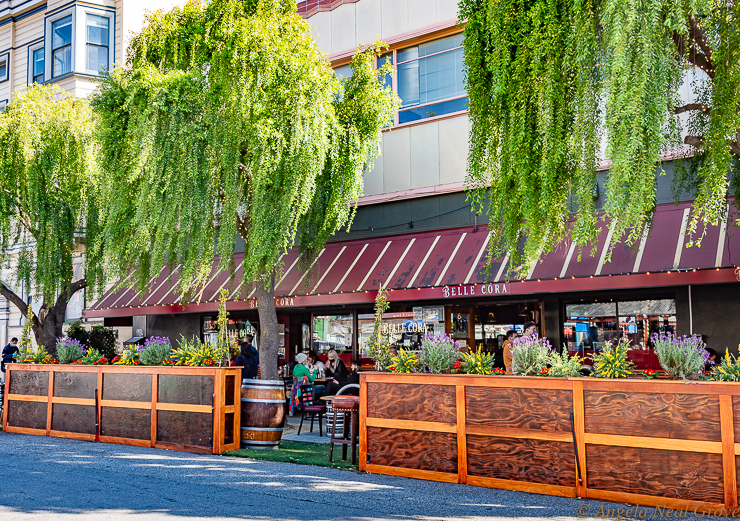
[
  {"x": 302, "y": 368},
  {"x": 314, "y": 360},
  {"x": 353, "y": 378},
  {"x": 335, "y": 367}
]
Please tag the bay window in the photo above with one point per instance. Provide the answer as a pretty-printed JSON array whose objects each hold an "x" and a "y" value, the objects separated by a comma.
[
  {"x": 37, "y": 65},
  {"x": 61, "y": 46},
  {"x": 4, "y": 67},
  {"x": 96, "y": 43}
]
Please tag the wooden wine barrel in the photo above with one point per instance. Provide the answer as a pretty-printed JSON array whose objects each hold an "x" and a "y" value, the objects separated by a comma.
[{"x": 263, "y": 413}]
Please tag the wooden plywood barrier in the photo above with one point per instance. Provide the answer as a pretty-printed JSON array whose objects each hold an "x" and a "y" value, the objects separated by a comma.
[
  {"x": 193, "y": 409},
  {"x": 646, "y": 442}
]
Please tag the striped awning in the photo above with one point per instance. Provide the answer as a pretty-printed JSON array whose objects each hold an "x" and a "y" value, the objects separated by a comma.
[{"x": 351, "y": 271}]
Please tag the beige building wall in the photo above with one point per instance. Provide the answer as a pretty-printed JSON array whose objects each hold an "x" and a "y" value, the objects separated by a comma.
[
  {"x": 420, "y": 156},
  {"x": 349, "y": 25}
]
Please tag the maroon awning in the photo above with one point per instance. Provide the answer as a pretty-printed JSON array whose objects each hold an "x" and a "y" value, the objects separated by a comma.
[{"x": 421, "y": 265}]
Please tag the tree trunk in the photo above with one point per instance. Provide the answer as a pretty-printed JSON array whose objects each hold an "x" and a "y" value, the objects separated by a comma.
[
  {"x": 269, "y": 333},
  {"x": 48, "y": 326}
]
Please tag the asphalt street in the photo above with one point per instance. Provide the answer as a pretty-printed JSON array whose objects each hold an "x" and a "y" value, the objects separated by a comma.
[{"x": 57, "y": 479}]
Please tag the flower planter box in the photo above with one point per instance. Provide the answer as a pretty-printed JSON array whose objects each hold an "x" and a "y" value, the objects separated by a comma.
[
  {"x": 645, "y": 442},
  {"x": 192, "y": 409}
]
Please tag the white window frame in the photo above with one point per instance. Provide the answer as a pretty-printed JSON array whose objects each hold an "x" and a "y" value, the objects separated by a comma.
[
  {"x": 79, "y": 39},
  {"x": 3, "y": 104},
  {"x": 48, "y": 61},
  {"x": 31, "y": 50},
  {"x": 5, "y": 57}
]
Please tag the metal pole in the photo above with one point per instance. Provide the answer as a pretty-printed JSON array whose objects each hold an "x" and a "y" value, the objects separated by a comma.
[{"x": 691, "y": 314}]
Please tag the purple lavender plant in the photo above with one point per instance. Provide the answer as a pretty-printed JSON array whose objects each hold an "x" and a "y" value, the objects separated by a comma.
[
  {"x": 530, "y": 355},
  {"x": 438, "y": 353},
  {"x": 69, "y": 350},
  {"x": 155, "y": 350},
  {"x": 681, "y": 356}
]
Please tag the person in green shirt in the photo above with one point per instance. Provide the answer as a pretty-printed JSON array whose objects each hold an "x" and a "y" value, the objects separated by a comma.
[{"x": 300, "y": 370}]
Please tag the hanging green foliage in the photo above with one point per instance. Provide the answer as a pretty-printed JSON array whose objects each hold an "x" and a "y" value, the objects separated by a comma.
[
  {"x": 228, "y": 119},
  {"x": 549, "y": 79},
  {"x": 48, "y": 200}
]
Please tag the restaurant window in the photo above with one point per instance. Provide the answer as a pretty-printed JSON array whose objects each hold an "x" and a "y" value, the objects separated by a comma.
[
  {"x": 589, "y": 326},
  {"x": 61, "y": 46},
  {"x": 430, "y": 79},
  {"x": 332, "y": 332},
  {"x": 237, "y": 330},
  {"x": 96, "y": 43},
  {"x": 403, "y": 329}
]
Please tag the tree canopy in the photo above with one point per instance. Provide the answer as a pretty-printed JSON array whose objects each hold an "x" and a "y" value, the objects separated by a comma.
[
  {"x": 228, "y": 119},
  {"x": 547, "y": 79},
  {"x": 48, "y": 202}
]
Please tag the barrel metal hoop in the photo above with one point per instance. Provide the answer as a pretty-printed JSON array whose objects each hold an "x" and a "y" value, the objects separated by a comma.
[
  {"x": 260, "y": 429},
  {"x": 261, "y": 400}
]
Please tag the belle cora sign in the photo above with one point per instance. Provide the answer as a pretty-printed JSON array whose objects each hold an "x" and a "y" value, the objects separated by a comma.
[{"x": 474, "y": 290}]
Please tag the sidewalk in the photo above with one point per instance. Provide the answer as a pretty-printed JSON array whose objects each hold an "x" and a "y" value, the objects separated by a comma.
[{"x": 290, "y": 432}]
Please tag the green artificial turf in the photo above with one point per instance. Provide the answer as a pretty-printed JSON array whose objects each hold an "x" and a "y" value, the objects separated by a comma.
[{"x": 298, "y": 452}]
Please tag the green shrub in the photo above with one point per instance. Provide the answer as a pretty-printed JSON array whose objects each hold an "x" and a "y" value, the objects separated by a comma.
[
  {"x": 564, "y": 366},
  {"x": 682, "y": 357},
  {"x": 612, "y": 362}
]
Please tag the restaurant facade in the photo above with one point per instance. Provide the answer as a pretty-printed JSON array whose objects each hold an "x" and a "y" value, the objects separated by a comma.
[{"x": 441, "y": 281}]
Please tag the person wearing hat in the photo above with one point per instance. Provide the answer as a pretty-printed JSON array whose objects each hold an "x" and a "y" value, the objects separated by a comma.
[
  {"x": 530, "y": 328},
  {"x": 300, "y": 370}
]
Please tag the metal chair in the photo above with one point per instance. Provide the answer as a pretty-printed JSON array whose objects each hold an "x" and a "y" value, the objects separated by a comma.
[
  {"x": 310, "y": 409},
  {"x": 338, "y": 423}
]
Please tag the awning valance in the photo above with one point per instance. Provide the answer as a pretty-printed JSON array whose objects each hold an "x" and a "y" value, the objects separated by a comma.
[{"x": 422, "y": 265}]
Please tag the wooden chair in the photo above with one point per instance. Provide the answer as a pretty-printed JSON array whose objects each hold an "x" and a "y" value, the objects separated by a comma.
[
  {"x": 310, "y": 408},
  {"x": 288, "y": 382}
]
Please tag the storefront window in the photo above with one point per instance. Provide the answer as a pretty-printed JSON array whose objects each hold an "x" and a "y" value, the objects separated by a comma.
[
  {"x": 589, "y": 326},
  {"x": 405, "y": 329},
  {"x": 332, "y": 332},
  {"x": 237, "y": 329}
]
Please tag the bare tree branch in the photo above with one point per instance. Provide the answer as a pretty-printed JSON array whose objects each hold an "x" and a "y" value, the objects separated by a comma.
[
  {"x": 17, "y": 301},
  {"x": 700, "y": 38},
  {"x": 706, "y": 109},
  {"x": 694, "y": 141},
  {"x": 699, "y": 59}
]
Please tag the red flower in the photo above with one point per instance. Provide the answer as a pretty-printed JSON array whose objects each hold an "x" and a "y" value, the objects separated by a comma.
[
  {"x": 498, "y": 370},
  {"x": 55, "y": 361},
  {"x": 208, "y": 361},
  {"x": 544, "y": 371}
]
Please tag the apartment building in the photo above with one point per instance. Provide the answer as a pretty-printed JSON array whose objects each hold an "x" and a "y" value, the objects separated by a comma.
[{"x": 70, "y": 44}]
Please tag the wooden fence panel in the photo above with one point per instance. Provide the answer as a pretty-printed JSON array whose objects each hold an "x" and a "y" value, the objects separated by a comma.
[
  {"x": 182, "y": 408},
  {"x": 646, "y": 442}
]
